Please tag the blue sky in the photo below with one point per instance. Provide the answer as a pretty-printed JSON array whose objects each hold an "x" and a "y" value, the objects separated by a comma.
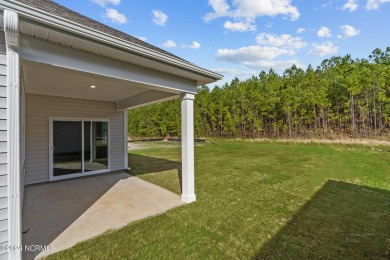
[{"x": 239, "y": 38}]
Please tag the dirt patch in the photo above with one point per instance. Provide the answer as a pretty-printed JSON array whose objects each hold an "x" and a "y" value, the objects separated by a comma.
[{"x": 135, "y": 146}]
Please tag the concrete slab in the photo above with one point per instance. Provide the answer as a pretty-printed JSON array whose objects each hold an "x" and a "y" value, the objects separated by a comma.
[{"x": 61, "y": 214}]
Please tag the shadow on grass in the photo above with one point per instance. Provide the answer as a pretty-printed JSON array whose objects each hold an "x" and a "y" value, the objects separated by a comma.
[
  {"x": 341, "y": 221},
  {"x": 146, "y": 167}
]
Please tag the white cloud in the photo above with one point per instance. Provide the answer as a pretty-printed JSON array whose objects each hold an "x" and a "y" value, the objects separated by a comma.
[
  {"x": 300, "y": 30},
  {"x": 142, "y": 38},
  {"x": 246, "y": 55},
  {"x": 327, "y": 4},
  {"x": 239, "y": 26},
  {"x": 282, "y": 40},
  {"x": 193, "y": 45},
  {"x": 274, "y": 64},
  {"x": 159, "y": 17},
  {"x": 169, "y": 44},
  {"x": 350, "y": 5},
  {"x": 250, "y": 10},
  {"x": 235, "y": 72},
  {"x": 220, "y": 7},
  {"x": 375, "y": 4},
  {"x": 256, "y": 57},
  {"x": 324, "y": 32},
  {"x": 103, "y": 3},
  {"x": 349, "y": 31},
  {"x": 322, "y": 49},
  {"x": 115, "y": 17}
]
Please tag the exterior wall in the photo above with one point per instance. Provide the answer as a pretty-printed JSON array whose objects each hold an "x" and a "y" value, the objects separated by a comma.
[
  {"x": 3, "y": 148},
  {"x": 38, "y": 110}
]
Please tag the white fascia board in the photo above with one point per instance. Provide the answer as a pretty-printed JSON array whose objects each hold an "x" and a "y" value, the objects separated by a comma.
[
  {"x": 66, "y": 25},
  {"x": 37, "y": 50}
]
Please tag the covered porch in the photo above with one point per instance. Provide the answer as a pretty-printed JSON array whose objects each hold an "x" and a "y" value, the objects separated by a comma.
[
  {"x": 74, "y": 141},
  {"x": 65, "y": 96},
  {"x": 74, "y": 103}
]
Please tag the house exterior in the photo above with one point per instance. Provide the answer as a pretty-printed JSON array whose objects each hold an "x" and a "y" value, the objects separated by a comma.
[{"x": 66, "y": 83}]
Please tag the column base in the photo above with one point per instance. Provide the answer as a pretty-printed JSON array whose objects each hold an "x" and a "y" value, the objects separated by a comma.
[{"x": 188, "y": 198}]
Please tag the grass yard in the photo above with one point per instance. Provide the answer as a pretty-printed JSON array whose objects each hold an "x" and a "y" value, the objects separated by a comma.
[{"x": 260, "y": 200}]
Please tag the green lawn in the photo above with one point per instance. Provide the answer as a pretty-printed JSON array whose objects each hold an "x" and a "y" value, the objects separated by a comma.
[{"x": 260, "y": 200}]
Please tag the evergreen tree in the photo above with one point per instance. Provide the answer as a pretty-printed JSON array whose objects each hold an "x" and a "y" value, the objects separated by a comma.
[{"x": 342, "y": 97}]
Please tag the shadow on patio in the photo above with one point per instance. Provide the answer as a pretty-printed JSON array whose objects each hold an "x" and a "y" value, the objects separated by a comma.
[
  {"x": 64, "y": 213},
  {"x": 341, "y": 221}
]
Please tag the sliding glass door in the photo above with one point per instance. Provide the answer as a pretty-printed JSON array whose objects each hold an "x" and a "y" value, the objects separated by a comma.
[
  {"x": 95, "y": 146},
  {"x": 67, "y": 148},
  {"x": 78, "y": 147}
]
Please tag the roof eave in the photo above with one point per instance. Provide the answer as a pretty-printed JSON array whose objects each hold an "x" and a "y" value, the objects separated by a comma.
[{"x": 77, "y": 29}]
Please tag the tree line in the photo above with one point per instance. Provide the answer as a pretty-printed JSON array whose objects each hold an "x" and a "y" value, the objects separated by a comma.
[{"x": 343, "y": 97}]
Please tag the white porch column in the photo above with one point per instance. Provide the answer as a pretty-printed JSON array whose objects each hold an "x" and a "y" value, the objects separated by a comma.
[
  {"x": 187, "y": 148},
  {"x": 11, "y": 29}
]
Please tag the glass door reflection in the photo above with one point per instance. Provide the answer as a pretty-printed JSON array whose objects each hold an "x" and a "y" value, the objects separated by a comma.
[
  {"x": 95, "y": 146},
  {"x": 67, "y": 147}
]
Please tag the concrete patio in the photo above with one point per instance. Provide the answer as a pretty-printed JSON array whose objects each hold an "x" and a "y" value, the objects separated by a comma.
[{"x": 64, "y": 213}]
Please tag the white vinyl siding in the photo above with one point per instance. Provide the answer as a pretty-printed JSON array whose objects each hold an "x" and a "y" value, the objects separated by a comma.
[
  {"x": 39, "y": 108},
  {"x": 3, "y": 147}
]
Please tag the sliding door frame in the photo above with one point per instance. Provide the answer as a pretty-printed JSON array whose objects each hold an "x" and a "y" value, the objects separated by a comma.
[{"x": 51, "y": 150}]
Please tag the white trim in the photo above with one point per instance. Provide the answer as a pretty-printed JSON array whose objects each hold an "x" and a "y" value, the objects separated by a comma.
[
  {"x": 82, "y": 173},
  {"x": 187, "y": 96},
  {"x": 82, "y": 148},
  {"x": 126, "y": 136},
  {"x": 22, "y": 135},
  {"x": 12, "y": 37},
  {"x": 188, "y": 198},
  {"x": 77, "y": 175}
]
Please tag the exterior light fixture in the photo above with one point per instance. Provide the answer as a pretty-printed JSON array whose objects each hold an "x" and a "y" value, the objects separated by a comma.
[{"x": 92, "y": 86}]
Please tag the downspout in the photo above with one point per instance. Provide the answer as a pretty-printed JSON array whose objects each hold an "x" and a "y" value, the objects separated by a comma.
[
  {"x": 126, "y": 137},
  {"x": 11, "y": 29}
]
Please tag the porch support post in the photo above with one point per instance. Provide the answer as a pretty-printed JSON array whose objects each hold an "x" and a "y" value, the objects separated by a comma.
[
  {"x": 187, "y": 148},
  {"x": 11, "y": 29}
]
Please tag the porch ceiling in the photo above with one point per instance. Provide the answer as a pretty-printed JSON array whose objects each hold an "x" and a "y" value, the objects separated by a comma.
[{"x": 45, "y": 79}]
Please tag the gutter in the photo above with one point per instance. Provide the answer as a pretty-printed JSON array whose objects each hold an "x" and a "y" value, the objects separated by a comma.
[{"x": 66, "y": 25}]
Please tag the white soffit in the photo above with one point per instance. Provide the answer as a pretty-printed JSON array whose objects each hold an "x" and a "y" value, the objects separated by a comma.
[{"x": 51, "y": 80}]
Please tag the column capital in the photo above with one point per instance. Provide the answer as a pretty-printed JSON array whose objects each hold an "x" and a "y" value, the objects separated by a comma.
[{"x": 187, "y": 96}]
